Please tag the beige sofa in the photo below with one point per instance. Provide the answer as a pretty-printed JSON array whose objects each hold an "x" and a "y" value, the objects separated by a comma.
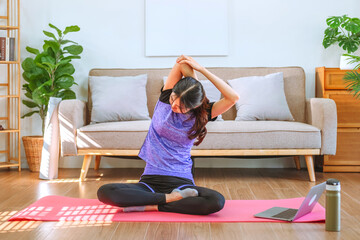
[{"x": 312, "y": 133}]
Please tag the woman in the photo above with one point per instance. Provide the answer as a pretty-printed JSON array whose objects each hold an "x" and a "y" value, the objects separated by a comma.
[{"x": 179, "y": 118}]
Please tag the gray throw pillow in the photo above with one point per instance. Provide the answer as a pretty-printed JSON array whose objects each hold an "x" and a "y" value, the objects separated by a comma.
[
  {"x": 118, "y": 98},
  {"x": 261, "y": 98}
]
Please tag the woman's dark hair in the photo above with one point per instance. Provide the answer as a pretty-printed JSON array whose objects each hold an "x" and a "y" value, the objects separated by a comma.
[{"x": 192, "y": 94}]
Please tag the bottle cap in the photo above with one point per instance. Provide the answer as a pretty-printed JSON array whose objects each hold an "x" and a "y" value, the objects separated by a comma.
[{"x": 333, "y": 182}]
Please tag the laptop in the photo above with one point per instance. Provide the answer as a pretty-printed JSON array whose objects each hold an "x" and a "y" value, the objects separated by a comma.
[{"x": 291, "y": 214}]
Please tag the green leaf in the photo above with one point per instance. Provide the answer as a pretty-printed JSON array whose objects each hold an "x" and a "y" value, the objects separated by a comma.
[
  {"x": 41, "y": 94},
  {"x": 63, "y": 62},
  {"x": 29, "y": 114},
  {"x": 334, "y": 22},
  {"x": 29, "y": 95},
  {"x": 74, "y": 28},
  {"x": 67, "y": 94},
  {"x": 54, "y": 45},
  {"x": 353, "y": 59},
  {"x": 71, "y": 57},
  {"x": 353, "y": 25},
  {"x": 33, "y": 85},
  {"x": 74, "y": 49},
  {"x": 28, "y": 64},
  {"x": 64, "y": 69},
  {"x": 30, "y": 104},
  {"x": 58, "y": 30},
  {"x": 67, "y": 41},
  {"x": 348, "y": 44},
  {"x": 25, "y": 86},
  {"x": 27, "y": 76},
  {"x": 35, "y": 74},
  {"x": 28, "y": 92},
  {"x": 50, "y": 34},
  {"x": 48, "y": 59},
  {"x": 65, "y": 81},
  {"x": 352, "y": 79},
  {"x": 328, "y": 42},
  {"x": 43, "y": 66},
  {"x": 33, "y": 50},
  {"x": 331, "y": 32},
  {"x": 50, "y": 65},
  {"x": 50, "y": 52},
  {"x": 345, "y": 21},
  {"x": 39, "y": 56}
]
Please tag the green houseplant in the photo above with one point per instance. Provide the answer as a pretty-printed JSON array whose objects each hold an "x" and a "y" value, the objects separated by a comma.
[
  {"x": 352, "y": 78},
  {"x": 48, "y": 74},
  {"x": 346, "y": 32}
]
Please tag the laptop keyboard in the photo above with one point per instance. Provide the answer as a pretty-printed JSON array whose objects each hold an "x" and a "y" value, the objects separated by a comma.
[{"x": 287, "y": 214}]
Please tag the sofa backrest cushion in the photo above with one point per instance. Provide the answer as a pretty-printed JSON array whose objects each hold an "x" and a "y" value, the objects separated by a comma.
[
  {"x": 261, "y": 98},
  {"x": 111, "y": 101},
  {"x": 294, "y": 84}
]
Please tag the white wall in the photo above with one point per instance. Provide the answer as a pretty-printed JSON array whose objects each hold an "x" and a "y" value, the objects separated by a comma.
[{"x": 261, "y": 33}]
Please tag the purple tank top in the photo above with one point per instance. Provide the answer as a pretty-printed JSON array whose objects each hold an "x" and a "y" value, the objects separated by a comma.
[{"x": 166, "y": 149}]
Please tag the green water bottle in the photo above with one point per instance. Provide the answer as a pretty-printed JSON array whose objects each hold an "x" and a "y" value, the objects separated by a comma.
[{"x": 332, "y": 218}]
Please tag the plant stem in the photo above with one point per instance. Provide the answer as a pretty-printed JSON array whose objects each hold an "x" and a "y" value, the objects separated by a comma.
[
  {"x": 43, "y": 125},
  {"x": 343, "y": 31},
  {"x": 41, "y": 113}
]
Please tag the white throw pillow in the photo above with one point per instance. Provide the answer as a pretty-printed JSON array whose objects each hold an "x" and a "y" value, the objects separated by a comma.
[
  {"x": 118, "y": 98},
  {"x": 212, "y": 93},
  {"x": 261, "y": 98}
]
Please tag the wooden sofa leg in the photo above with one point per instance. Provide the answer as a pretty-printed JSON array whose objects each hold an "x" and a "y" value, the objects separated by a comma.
[
  {"x": 310, "y": 167},
  {"x": 297, "y": 162},
  {"x": 85, "y": 167},
  {"x": 97, "y": 162}
]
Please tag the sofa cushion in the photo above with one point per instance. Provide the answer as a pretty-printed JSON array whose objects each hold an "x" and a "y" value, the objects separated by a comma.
[
  {"x": 260, "y": 135},
  {"x": 111, "y": 100},
  {"x": 221, "y": 135},
  {"x": 121, "y": 135},
  {"x": 261, "y": 98}
]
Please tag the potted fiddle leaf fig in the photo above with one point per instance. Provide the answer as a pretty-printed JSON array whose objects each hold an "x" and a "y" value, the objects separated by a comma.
[
  {"x": 346, "y": 32},
  {"x": 48, "y": 74}
]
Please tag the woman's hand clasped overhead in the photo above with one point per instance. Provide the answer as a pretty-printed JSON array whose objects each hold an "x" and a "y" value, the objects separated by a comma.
[{"x": 190, "y": 61}]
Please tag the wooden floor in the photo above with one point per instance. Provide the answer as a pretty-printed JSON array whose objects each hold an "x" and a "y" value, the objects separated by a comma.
[{"x": 18, "y": 190}]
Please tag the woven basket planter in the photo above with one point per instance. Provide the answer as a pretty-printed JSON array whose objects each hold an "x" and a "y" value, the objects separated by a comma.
[{"x": 33, "y": 147}]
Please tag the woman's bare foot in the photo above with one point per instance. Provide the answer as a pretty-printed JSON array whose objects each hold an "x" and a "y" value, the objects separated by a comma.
[
  {"x": 151, "y": 208},
  {"x": 177, "y": 194},
  {"x": 141, "y": 208},
  {"x": 173, "y": 196}
]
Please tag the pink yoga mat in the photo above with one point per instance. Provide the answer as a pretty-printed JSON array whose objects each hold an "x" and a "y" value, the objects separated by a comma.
[{"x": 59, "y": 208}]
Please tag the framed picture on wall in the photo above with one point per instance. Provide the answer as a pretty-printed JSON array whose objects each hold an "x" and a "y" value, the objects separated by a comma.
[{"x": 190, "y": 27}]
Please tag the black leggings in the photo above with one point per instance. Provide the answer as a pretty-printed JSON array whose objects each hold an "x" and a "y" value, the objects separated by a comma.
[{"x": 151, "y": 190}]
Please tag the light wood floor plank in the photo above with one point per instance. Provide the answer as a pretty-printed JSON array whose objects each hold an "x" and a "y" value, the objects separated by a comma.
[
  {"x": 133, "y": 230},
  {"x": 194, "y": 231},
  {"x": 220, "y": 231},
  {"x": 163, "y": 230}
]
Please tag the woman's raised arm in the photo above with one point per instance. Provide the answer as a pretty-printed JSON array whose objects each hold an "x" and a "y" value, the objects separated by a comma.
[
  {"x": 177, "y": 72},
  {"x": 174, "y": 76}
]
